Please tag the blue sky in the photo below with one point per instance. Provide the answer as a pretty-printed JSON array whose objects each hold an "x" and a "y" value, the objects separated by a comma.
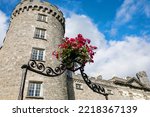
[
  {"x": 104, "y": 14},
  {"x": 120, "y": 28}
]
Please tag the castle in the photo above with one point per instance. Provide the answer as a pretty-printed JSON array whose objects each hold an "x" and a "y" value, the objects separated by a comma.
[{"x": 36, "y": 28}]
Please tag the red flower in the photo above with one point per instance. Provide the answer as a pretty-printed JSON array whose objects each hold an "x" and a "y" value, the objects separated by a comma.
[
  {"x": 93, "y": 47},
  {"x": 91, "y": 61},
  {"x": 79, "y": 36},
  {"x": 88, "y": 40},
  {"x": 72, "y": 40},
  {"x": 67, "y": 38},
  {"x": 78, "y": 46},
  {"x": 64, "y": 45}
]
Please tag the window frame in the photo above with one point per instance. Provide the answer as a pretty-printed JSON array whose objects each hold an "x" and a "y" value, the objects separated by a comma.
[
  {"x": 38, "y": 31},
  {"x": 38, "y": 53},
  {"x": 36, "y": 83},
  {"x": 109, "y": 91},
  {"x": 43, "y": 16},
  {"x": 79, "y": 86}
]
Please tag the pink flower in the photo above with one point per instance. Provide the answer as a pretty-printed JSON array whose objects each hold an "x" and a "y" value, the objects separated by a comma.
[
  {"x": 80, "y": 36},
  {"x": 63, "y": 45},
  {"x": 93, "y": 47},
  {"x": 88, "y": 40},
  {"x": 91, "y": 61},
  {"x": 67, "y": 38},
  {"x": 79, "y": 46},
  {"x": 74, "y": 45},
  {"x": 72, "y": 40}
]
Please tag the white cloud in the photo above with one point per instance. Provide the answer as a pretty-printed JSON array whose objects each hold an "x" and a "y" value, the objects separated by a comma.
[
  {"x": 76, "y": 24},
  {"x": 130, "y": 8},
  {"x": 113, "y": 32},
  {"x": 122, "y": 58},
  {"x": 119, "y": 58},
  {"x": 3, "y": 26},
  {"x": 126, "y": 11}
]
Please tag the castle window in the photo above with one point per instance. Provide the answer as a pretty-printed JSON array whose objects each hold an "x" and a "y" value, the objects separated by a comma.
[
  {"x": 42, "y": 18},
  {"x": 109, "y": 91},
  {"x": 37, "y": 54},
  {"x": 34, "y": 89},
  {"x": 79, "y": 86},
  {"x": 40, "y": 33}
]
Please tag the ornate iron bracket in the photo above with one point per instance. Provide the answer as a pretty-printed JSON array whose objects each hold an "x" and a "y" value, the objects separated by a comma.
[
  {"x": 95, "y": 87},
  {"x": 48, "y": 71}
]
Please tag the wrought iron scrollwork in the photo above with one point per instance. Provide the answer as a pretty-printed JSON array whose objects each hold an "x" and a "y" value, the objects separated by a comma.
[
  {"x": 46, "y": 71},
  {"x": 95, "y": 87}
]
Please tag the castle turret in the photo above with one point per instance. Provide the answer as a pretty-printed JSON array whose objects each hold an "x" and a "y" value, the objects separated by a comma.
[{"x": 36, "y": 28}]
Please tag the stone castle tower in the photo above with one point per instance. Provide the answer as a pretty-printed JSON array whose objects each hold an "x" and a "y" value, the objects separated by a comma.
[{"x": 36, "y": 28}]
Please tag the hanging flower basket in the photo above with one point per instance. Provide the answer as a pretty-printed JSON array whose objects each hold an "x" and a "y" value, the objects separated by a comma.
[{"x": 75, "y": 52}]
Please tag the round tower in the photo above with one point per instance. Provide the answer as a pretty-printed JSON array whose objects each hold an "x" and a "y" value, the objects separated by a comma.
[{"x": 36, "y": 28}]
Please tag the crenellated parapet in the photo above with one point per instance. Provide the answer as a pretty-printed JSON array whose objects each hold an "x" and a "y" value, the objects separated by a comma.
[
  {"x": 140, "y": 82},
  {"x": 44, "y": 7}
]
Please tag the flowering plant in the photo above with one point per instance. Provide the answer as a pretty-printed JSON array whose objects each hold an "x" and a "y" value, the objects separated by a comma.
[{"x": 76, "y": 49}]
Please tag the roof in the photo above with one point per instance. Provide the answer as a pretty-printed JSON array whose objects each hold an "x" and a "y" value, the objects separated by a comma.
[{"x": 130, "y": 82}]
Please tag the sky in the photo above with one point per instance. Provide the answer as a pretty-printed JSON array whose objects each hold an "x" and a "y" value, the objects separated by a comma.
[{"x": 119, "y": 28}]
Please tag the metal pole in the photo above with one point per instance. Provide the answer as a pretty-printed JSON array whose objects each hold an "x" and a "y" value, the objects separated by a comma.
[
  {"x": 22, "y": 85},
  {"x": 106, "y": 97}
]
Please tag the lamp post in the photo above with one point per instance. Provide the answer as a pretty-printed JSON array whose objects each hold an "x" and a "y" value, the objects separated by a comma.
[{"x": 50, "y": 72}]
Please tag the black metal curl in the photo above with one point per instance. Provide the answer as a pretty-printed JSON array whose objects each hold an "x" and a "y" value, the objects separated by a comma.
[
  {"x": 49, "y": 71},
  {"x": 41, "y": 67},
  {"x": 46, "y": 71},
  {"x": 37, "y": 66},
  {"x": 32, "y": 64},
  {"x": 95, "y": 87},
  {"x": 55, "y": 72}
]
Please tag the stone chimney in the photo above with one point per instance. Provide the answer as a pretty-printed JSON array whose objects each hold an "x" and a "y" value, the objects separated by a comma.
[
  {"x": 99, "y": 77},
  {"x": 143, "y": 78}
]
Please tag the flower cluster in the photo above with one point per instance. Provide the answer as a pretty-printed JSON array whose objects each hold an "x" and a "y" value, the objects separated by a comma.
[{"x": 75, "y": 49}]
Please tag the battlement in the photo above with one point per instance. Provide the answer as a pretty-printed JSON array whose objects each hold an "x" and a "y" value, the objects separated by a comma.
[
  {"x": 135, "y": 82},
  {"x": 45, "y": 7}
]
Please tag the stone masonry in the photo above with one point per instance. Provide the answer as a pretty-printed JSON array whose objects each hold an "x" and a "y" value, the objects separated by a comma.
[
  {"x": 130, "y": 88},
  {"x": 18, "y": 45}
]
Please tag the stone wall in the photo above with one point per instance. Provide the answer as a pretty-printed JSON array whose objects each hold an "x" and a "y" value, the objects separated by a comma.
[
  {"x": 18, "y": 45},
  {"x": 118, "y": 89}
]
